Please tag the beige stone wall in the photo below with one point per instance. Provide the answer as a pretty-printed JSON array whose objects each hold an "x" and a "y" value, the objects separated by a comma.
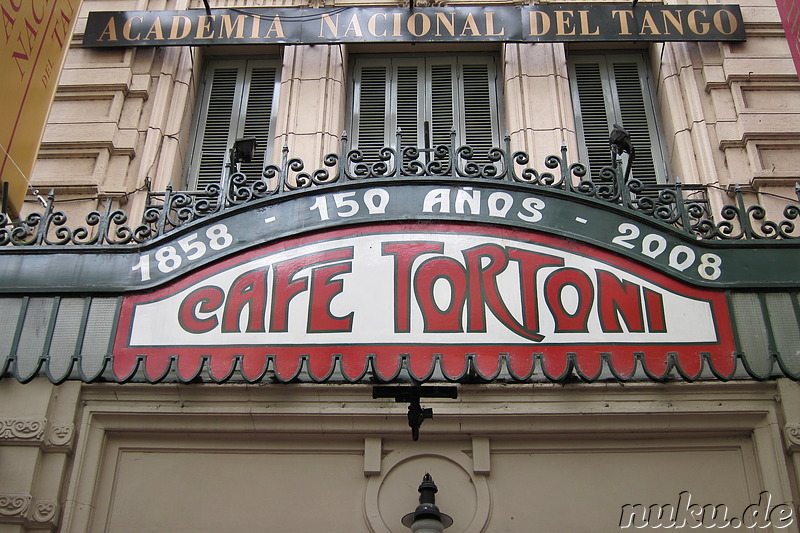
[
  {"x": 730, "y": 112},
  {"x": 510, "y": 458},
  {"x": 37, "y": 435}
]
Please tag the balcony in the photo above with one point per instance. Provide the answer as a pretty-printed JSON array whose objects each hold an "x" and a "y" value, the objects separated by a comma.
[{"x": 683, "y": 208}]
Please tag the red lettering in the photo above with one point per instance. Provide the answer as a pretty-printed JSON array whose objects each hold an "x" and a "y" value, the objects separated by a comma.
[
  {"x": 569, "y": 321},
  {"x": 285, "y": 287},
  {"x": 60, "y": 28},
  {"x": 654, "y": 304},
  {"x": 436, "y": 319},
  {"x": 529, "y": 265},
  {"x": 31, "y": 33},
  {"x": 8, "y": 23},
  {"x": 483, "y": 291},
  {"x": 249, "y": 289},
  {"x": 38, "y": 18},
  {"x": 618, "y": 299},
  {"x": 203, "y": 300},
  {"x": 22, "y": 55},
  {"x": 323, "y": 289},
  {"x": 404, "y": 255}
]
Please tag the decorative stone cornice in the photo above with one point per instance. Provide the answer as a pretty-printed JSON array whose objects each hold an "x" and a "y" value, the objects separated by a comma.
[
  {"x": 36, "y": 431},
  {"x": 44, "y": 512},
  {"x": 60, "y": 436},
  {"x": 792, "y": 433},
  {"x": 22, "y": 508},
  {"x": 29, "y": 430},
  {"x": 14, "y": 505}
]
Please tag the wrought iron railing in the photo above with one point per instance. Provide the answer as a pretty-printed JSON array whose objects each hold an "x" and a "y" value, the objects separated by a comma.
[{"x": 686, "y": 208}]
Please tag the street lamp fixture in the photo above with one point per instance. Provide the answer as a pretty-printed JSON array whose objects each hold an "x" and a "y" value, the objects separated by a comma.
[
  {"x": 243, "y": 151},
  {"x": 427, "y": 518}
]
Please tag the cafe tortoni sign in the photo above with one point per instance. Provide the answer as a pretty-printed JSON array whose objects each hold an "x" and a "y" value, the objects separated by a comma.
[
  {"x": 425, "y": 273},
  {"x": 387, "y": 290},
  {"x": 539, "y": 23}
]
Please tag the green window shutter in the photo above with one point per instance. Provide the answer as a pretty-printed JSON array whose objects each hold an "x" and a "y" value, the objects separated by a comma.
[
  {"x": 212, "y": 143},
  {"x": 372, "y": 85},
  {"x": 630, "y": 79},
  {"x": 591, "y": 115},
  {"x": 259, "y": 94},
  {"x": 407, "y": 101},
  {"x": 480, "y": 129},
  {"x": 427, "y": 98},
  {"x": 614, "y": 88},
  {"x": 237, "y": 100},
  {"x": 441, "y": 110}
]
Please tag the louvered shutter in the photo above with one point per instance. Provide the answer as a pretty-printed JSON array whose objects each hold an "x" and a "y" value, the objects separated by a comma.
[
  {"x": 237, "y": 100},
  {"x": 635, "y": 115},
  {"x": 370, "y": 111},
  {"x": 609, "y": 89},
  {"x": 407, "y": 101},
  {"x": 216, "y": 126},
  {"x": 480, "y": 129},
  {"x": 427, "y": 98},
  {"x": 591, "y": 114},
  {"x": 440, "y": 116},
  {"x": 259, "y": 91}
]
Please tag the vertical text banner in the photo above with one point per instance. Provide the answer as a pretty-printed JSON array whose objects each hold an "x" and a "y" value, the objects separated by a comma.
[
  {"x": 790, "y": 17},
  {"x": 35, "y": 37}
]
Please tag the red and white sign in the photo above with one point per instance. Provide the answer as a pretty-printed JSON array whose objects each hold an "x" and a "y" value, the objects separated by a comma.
[
  {"x": 789, "y": 11},
  {"x": 419, "y": 290}
]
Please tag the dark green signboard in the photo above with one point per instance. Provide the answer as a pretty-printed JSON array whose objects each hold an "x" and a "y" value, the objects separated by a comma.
[
  {"x": 131, "y": 268},
  {"x": 541, "y": 23}
]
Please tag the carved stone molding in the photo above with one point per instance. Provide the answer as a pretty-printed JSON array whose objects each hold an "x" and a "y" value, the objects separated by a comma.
[
  {"x": 22, "y": 508},
  {"x": 29, "y": 430},
  {"x": 60, "y": 436},
  {"x": 44, "y": 512},
  {"x": 14, "y": 505},
  {"x": 792, "y": 432}
]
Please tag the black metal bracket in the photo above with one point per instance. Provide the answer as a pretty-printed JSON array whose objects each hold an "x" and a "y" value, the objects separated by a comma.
[
  {"x": 4, "y": 198},
  {"x": 412, "y": 395}
]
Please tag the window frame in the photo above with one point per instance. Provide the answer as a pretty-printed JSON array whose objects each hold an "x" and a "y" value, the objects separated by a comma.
[
  {"x": 425, "y": 62},
  {"x": 236, "y": 127},
  {"x": 612, "y": 101}
]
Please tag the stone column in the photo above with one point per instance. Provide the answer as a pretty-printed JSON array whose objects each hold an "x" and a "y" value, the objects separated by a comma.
[
  {"x": 312, "y": 101},
  {"x": 37, "y": 431},
  {"x": 538, "y": 105}
]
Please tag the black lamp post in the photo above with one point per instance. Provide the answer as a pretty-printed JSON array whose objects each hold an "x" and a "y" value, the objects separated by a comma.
[{"x": 427, "y": 518}]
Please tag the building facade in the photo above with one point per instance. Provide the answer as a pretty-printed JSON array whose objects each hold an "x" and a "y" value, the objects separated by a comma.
[{"x": 546, "y": 253}]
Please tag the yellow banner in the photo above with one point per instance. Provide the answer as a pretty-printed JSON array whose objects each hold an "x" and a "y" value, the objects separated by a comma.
[{"x": 34, "y": 38}]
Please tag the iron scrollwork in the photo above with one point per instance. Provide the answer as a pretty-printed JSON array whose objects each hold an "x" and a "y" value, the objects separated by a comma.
[{"x": 684, "y": 207}]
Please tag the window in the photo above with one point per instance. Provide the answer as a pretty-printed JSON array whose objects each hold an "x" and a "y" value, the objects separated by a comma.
[
  {"x": 615, "y": 88},
  {"x": 237, "y": 99},
  {"x": 425, "y": 97}
]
